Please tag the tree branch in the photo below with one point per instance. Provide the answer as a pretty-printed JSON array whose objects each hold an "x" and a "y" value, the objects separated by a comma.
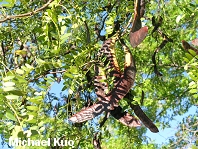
[
  {"x": 166, "y": 39},
  {"x": 26, "y": 14}
]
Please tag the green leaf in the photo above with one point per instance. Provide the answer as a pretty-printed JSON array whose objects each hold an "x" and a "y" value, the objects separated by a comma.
[
  {"x": 29, "y": 66},
  {"x": 16, "y": 130},
  {"x": 192, "y": 84},
  {"x": 65, "y": 37},
  {"x": 6, "y": 89},
  {"x": 8, "y": 84},
  {"x": 192, "y": 52},
  {"x": 8, "y": 3},
  {"x": 8, "y": 78},
  {"x": 10, "y": 115},
  {"x": 31, "y": 119},
  {"x": 19, "y": 71},
  {"x": 75, "y": 25},
  {"x": 109, "y": 29},
  {"x": 178, "y": 18},
  {"x": 189, "y": 56},
  {"x": 36, "y": 100},
  {"x": 16, "y": 92},
  {"x": 185, "y": 59},
  {"x": 64, "y": 88},
  {"x": 34, "y": 132},
  {"x": 21, "y": 79},
  {"x": 195, "y": 96},
  {"x": 40, "y": 61},
  {"x": 193, "y": 91},
  {"x": 33, "y": 108},
  {"x": 2, "y": 97},
  {"x": 12, "y": 97},
  {"x": 186, "y": 67},
  {"x": 20, "y": 134},
  {"x": 21, "y": 52},
  {"x": 63, "y": 29},
  {"x": 68, "y": 75}
]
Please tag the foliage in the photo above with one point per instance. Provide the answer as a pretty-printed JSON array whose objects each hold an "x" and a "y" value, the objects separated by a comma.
[
  {"x": 59, "y": 43},
  {"x": 186, "y": 135},
  {"x": 191, "y": 67}
]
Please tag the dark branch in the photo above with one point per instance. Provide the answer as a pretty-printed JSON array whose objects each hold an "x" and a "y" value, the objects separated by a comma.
[{"x": 166, "y": 39}]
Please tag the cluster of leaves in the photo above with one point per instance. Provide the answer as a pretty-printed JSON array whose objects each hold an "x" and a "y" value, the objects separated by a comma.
[
  {"x": 191, "y": 67},
  {"x": 59, "y": 42},
  {"x": 186, "y": 136}
]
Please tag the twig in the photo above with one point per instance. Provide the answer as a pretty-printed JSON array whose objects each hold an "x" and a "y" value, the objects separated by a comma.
[
  {"x": 46, "y": 73},
  {"x": 166, "y": 39},
  {"x": 126, "y": 27},
  {"x": 26, "y": 14},
  {"x": 98, "y": 31}
]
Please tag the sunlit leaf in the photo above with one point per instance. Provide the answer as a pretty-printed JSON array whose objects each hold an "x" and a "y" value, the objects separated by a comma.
[
  {"x": 192, "y": 52},
  {"x": 178, "y": 18},
  {"x": 8, "y": 3},
  {"x": 33, "y": 108},
  {"x": 12, "y": 96},
  {"x": 8, "y": 84},
  {"x": 189, "y": 56},
  {"x": 21, "y": 52},
  {"x": 29, "y": 66},
  {"x": 192, "y": 84},
  {"x": 8, "y": 78},
  {"x": 10, "y": 88},
  {"x": 10, "y": 116},
  {"x": 193, "y": 91},
  {"x": 65, "y": 37},
  {"x": 19, "y": 71}
]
